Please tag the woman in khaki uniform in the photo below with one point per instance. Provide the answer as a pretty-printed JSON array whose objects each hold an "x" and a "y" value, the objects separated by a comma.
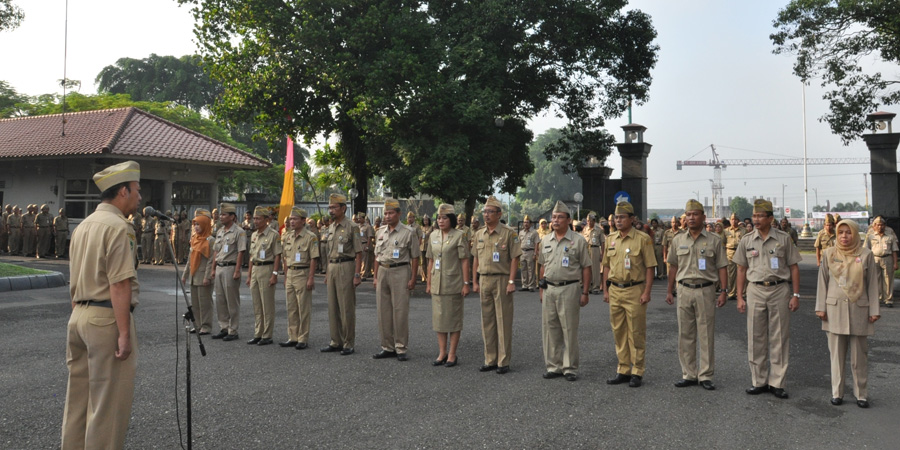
[
  {"x": 847, "y": 303},
  {"x": 200, "y": 271},
  {"x": 447, "y": 282},
  {"x": 427, "y": 228}
]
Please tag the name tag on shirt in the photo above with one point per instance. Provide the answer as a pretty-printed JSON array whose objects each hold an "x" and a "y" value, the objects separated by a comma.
[
  {"x": 437, "y": 264},
  {"x": 340, "y": 248},
  {"x": 262, "y": 254},
  {"x": 298, "y": 257},
  {"x": 225, "y": 248},
  {"x": 701, "y": 263},
  {"x": 773, "y": 262},
  {"x": 396, "y": 253},
  {"x": 496, "y": 257},
  {"x": 627, "y": 263},
  {"x": 565, "y": 261}
]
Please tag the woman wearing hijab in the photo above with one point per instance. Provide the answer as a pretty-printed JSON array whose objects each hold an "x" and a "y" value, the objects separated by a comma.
[
  {"x": 448, "y": 282},
  {"x": 847, "y": 304},
  {"x": 200, "y": 271}
]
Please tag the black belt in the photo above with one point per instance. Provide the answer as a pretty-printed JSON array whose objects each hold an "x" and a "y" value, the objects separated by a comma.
[
  {"x": 594, "y": 246},
  {"x": 494, "y": 274},
  {"x": 262, "y": 263},
  {"x": 731, "y": 248},
  {"x": 527, "y": 249},
  {"x": 298, "y": 267},
  {"x": 696, "y": 286},
  {"x": 227, "y": 263},
  {"x": 625, "y": 285},
  {"x": 340, "y": 260},
  {"x": 562, "y": 283},
  {"x": 101, "y": 303},
  {"x": 769, "y": 283},
  {"x": 391, "y": 266}
]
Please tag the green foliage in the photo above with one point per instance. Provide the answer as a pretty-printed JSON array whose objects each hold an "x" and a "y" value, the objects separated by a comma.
[
  {"x": 838, "y": 40},
  {"x": 549, "y": 180},
  {"x": 849, "y": 206},
  {"x": 740, "y": 206},
  {"x": 797, "y": 214},
  {"x": 10, "y": 101},
  {"x": 160, "y": 78},
  {"x": 11, "y": 16}
]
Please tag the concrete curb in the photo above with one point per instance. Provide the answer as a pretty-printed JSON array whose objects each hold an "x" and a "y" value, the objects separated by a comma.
[{"x": 25, "y": 282}]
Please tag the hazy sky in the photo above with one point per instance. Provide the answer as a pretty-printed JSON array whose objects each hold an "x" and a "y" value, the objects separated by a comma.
[{"x": 716, "y": 82}]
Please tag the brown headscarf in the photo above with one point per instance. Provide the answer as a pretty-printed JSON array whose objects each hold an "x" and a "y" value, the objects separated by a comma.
[
  {"x": 200, "y": 242},
  {"x": 845, "y": 264}
]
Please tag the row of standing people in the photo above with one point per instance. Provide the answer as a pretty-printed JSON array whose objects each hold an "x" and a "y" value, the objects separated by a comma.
[{"x": 35, "y": 233}]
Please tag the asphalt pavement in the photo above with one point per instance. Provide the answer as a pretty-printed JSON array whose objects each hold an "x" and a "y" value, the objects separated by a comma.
[{"x": 252, "y": 397}]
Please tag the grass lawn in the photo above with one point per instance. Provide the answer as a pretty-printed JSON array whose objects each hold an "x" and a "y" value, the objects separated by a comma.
[{"x": 12, "y": 270}]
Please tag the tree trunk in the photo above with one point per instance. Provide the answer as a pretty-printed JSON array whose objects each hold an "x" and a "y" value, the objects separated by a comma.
[{"x": 470, "y": 209}]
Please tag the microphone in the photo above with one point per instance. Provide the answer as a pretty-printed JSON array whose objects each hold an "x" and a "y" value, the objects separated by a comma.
[{"x": 154, "y": 213}]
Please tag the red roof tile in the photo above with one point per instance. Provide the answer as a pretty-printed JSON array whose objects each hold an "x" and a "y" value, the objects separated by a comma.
[{"x": 127, "y": 132}]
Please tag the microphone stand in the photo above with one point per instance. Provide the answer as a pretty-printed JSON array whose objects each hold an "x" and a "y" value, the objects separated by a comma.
[{"x": 189, "y": 322}]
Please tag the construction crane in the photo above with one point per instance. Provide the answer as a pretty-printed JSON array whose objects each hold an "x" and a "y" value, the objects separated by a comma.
[{"x": 720, "y": 164}]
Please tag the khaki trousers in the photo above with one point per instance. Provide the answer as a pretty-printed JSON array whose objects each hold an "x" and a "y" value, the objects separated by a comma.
[
  {"x": 393, "y": 307},
  {"x": 496, "y": 319},
  {"x": 202, "y": 305},
  {"x": 147, "y": 248},
  {"x": 560, "y": 313},
  {"x": 341, "y": 304},
  {"x": 28, "y": 244},
  {"x": 526, "y": 262},
  {"x": 100, "y": 388},
  {"x": 43, "y": 241},
  {"x": 596, "y": 269},
  {"x": 4, "y": 239},
  {"x": 887, "y": 278},
  {"x": 732, "y": 275},
  {"x": 768, "y": 333},
  {"x": 160, "y": 249},
  {"x": 15, "y": 241},
  {"x": 263, "y": 297},
  {"x": 697, "y": 323},
  {"x": 368, "y": 263},
  {"x": 299, "y": 304},
  {"x": 628, "y": 318},
  {"x": 859, "y": 364},
  {"x": 661, "y": 266},
  {"x": 62, "y": 241},
  {"x": 228, "y": 299}
]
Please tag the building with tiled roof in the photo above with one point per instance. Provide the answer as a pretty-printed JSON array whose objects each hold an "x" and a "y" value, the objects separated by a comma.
[{"x": 51, "y": 159}]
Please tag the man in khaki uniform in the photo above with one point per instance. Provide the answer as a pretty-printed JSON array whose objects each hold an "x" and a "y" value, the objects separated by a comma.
[
  {"x": 397, "y": 255},
  {"x": 4, "y": 229},
  {"x": 14, "y": 225},
  {"x": 825, "y": 238},
  {"x": 767, "y": 259},
  {"x": 29, "y": 246},
  {"x": 101, "y": 343},
  {"x": 595, "y": 238},
  {"x": 698, "y": 260},
  {"x": 230, "y": 246},
  {"x": 529, "y": 240},
  {"x": 787, "y": 228},
  {"x": 342, "y": 247},
  {"x": 658, "y": 234},
  {"x": 884, "y": 248},
  {"x": 733, "y": 235},
  {"x": 148, "y": 231},
  {"x": 628, "y": 266},
  {"x": 43, "y": 223},
  {"x": 265, "y": 260},
  {"x": 300, "y": 248},
  {"x": 61, "y": 231},
  {"x": 367, "y": 240},
  {"x": 668, "y": 235},
  {"x": 160, "y": 248},
  {"x": 496, "y": 252},
  {"x": 566, "y": 266}
]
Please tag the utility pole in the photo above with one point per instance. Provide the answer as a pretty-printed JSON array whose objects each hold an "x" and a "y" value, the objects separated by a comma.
[{"x": 866, "y": 184}]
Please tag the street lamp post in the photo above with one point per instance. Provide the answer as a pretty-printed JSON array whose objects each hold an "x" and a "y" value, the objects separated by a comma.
[{"x": 783, "y": 215}]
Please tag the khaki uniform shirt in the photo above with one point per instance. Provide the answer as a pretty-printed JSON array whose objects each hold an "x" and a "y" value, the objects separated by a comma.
[
  {"x": 28, "y": 221},
  {"x": 467, "y": 232},
  {"x": 399, "y": 245},
  {"x": 769, "y": 259},
  {"x": 204, "y": 269},
  {"x": 543, "y": 232},
  {"x": 265, "y": 245},
  {"x": 14, "y": 221},
  {"x": 882, "y": 245},
  {"x": 529, "y": 240},
  {"x": 636, "y": 246},
  {"x": 426, "y": 232},
  {"x": 342, "y": 240},
  {"x": 61, "y": 223},
  {"x": 733, "y": 238},
  {"x": 44, "y": 220},
  {"x": 698, "y": 260},
  {"x": 3, "y": 220},
  {"x": 846, "y": 317},
  {"x": 299, "y": 249},
  {"x": 229, "y": 242},
  {"x": 366, "y": 236},
  {"x": 564, "y": 259},
  {"x": 594, "y": 236},
  {"x": 667, "y": 237},
  {"x": 447, "y": 273},
  {"x": 103, "y": 252},
  {"x": 504, "y": 242},
  {"x": 160, "y": 227},
  {"x": 825, "y": 240},
  {"x": 149, "y": 224}
]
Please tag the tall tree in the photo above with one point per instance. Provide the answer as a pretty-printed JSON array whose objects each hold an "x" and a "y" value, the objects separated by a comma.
[
  {"x": 548, "y": 183},
  {"x": 11, "y": 102},
  {"x": 11, "y": 16},
  {"x": 741, "y": 207},
  {"x": 838, "y": 40}
]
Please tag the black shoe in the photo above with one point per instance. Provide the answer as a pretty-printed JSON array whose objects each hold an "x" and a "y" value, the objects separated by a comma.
[
  {"x": 452, "y": 363},
  {"x": 301, "y": 346},
  {"x": 384, "y": 354},
  {"x": 402, "y": 357},
  {"x": 862, "y": 403},
  {"x": 523, "y": 289},
  {"x": 264, "y": 342},
  {"x": 254, "y": 341},
  {"x": 231, "y": 337},
  {"x": 439, "y": 362},
  {"x": 780, "y": 393},
  {"x": 204, "y": 333},
  {"x": 287, "y": 344},
  {"x": 329, "y": 349},
  {"x": 756, "y": 390},
  {"x": 502, "y": 370},
  {"x": 347, "y": 351},
  {"x": 619, "y": 379},
  {"x": 551, "y": 375},
  {"x": 636, "y": 381},
  {"x": 837, "y": 401},
  {"x": 193, "y": 331},
  {"x": 487, "y": 368},
  {"x": 571, "y": 377},
  {"x": 889, "y": 305},
  {"x": 685, "y": 383},
  {"x": 708, "y": 385}
]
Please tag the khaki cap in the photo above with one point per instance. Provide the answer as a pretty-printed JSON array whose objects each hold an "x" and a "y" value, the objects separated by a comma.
[
  {"x": 391, "y": 203},
  {"x": 829, "y": 218},
  {"x": 445, "y": 209},
  {"x": 543, "y": 221},
  {"x": 762, "y": 205},
  {"x": 61, "y": 210},
  {"x": 299, "y": 212},
  {"x": 624, "y": 208},
  {"x": 44, "y": 206},
  {"x": 260, "y": 211},
  {"x": 119, "y": 173},
  {"x": 203, "y": 212},
  {"x": 693, "y": 205},
  {"x": 561, "y": 207},
  {"x": 878, "y": 219},
  {"x": 527, "y": 218},
  {"x": 337, "y": 199},
  {"x": 409, "y": 214},
  {"x": 227, "y": 208},
  {"x": 461, "y": 216},
  {"x": 492, "y": 201}
]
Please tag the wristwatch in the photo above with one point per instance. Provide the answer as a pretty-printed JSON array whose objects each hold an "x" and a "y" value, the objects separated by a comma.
[
  {"x": 467, "y": 283},
  {"x": 797, "y": 294},
  {"x": 512, "y": 282},
  {"x": 356, "y": 275},
  {"x": 274, "y": 272}
]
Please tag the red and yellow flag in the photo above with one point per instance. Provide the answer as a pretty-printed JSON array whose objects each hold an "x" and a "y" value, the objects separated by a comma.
[{"x": 287, "y": 192}]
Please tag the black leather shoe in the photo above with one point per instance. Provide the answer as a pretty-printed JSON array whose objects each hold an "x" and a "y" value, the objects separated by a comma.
[
  {"x": 439, "y": 362},
  {"x": 301, "y": 346},
  {"x": 685, "y": 383},
  {"x": 204, "y": 333},
  {"x": 254, "y": 341},
  {"x": 619, "y": 379},
  {"x": 347, "y": 351},
  {"x": 329, "y": 349},
  {"x": 266, "y": 341},
  {"x": 221, "y": 334},
  {"x": 193, "y": 331},
  {"x": 287, "y": 344},
  {"x": 708, "y": 385},
  {"x": 780, "y": 393},
  {"x": 551, "y": 375},
  {"x": 384, "y": 354},
  {"x": 452, "y": 363},
  {"x": 571, "y": 377},
  {"x": 402, "y": 357},
  {"x": 636, "y": 381},
  {"x": 231, "y": 337},
  {"x": 837, "y": 401},
  {"x": 863, "y": 403},
  {"x": 487, "y": 368},
  {"x": 756, "y": 390},
  {"x": 502, "y": 370}
]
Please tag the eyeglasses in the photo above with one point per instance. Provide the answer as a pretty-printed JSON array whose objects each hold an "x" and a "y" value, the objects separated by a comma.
[{"x": 492, "y": 211}]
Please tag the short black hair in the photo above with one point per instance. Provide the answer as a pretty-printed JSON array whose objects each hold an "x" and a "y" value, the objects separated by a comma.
[
  {"x": 452, "y": 219},
  {"x": 113, "y": 191}
]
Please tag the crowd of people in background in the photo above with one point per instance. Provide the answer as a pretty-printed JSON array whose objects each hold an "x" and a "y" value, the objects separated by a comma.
[{"x": 37, "y": 233}]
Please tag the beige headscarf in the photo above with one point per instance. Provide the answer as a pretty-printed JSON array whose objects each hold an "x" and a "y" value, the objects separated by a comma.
[{"x": 844, "y": 262}]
